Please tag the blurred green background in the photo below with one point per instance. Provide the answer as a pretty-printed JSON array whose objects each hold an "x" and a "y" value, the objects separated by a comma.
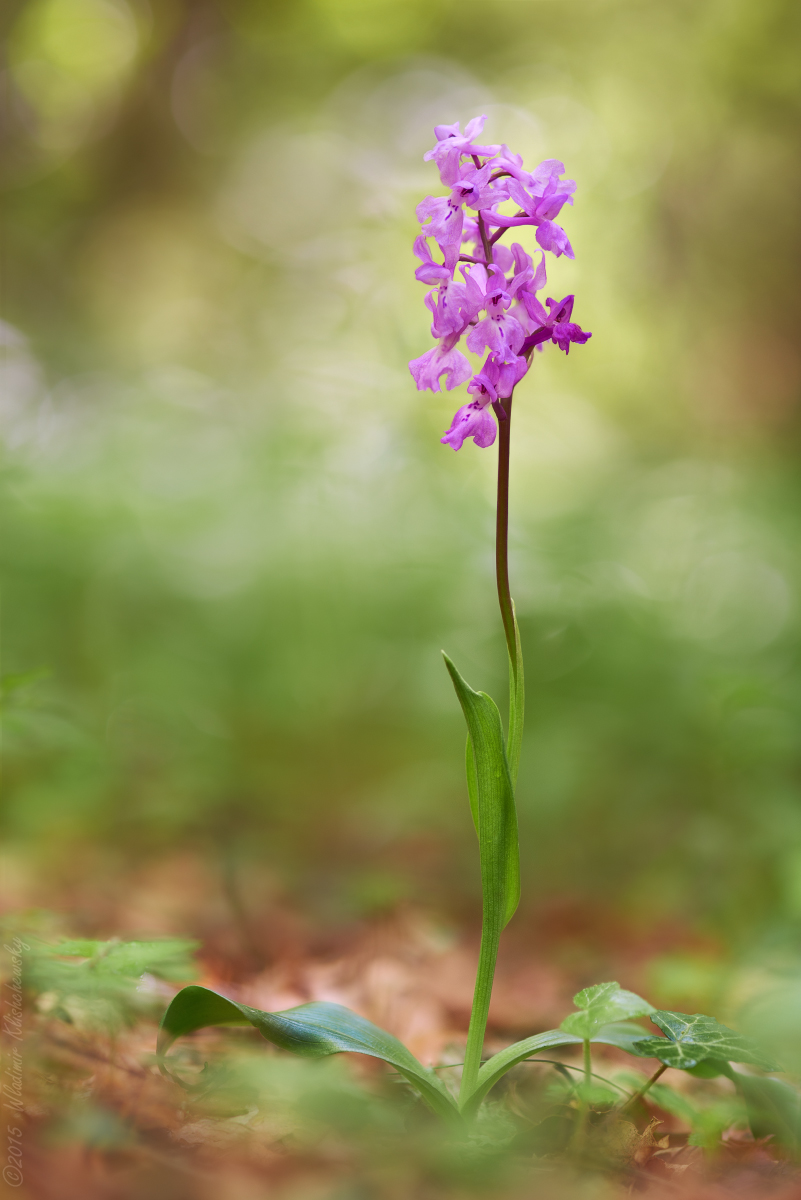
[{"x": 232, "y": 545}]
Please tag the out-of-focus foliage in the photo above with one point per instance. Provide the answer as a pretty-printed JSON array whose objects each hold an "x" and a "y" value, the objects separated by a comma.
[
  {"x": 230, "y": 535},
  {"x": 104, "y": 986}
]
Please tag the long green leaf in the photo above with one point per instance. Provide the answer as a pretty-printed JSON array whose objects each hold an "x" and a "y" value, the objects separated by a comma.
[
  {"x": 620, "y": 1034},
  {"x": 495, "y": 805},
  {"x": 312, "y": 1030},
  {"x": 497, "y": 1066},
  {"x": 516, "y": 705},
  {"x": 515, "y": 736}
]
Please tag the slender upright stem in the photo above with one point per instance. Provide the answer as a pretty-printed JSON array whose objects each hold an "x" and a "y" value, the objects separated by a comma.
[
  {"x": 490, "y": 931},
  {"x": 645, "y": 1087},
  {"x": 580, "y": 1130},
  {"x": 504, "y": 414},
  {"x": 487, "y": 957},
  {"x": 587, "y": 1062}
]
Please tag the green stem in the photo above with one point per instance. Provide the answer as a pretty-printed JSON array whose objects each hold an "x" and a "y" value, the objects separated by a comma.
[
  {"x": 490, "y": 932},
  {"x": 503, "y": 411},
  {"x": 485, "y": 974},
  {"x": 580, "y": 1131},
  {"x": 649, "y": 1083}
]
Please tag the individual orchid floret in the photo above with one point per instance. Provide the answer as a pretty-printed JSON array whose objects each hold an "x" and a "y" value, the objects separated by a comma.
[
  {"x": 563, "y": 330},
  {"x": 442, "y": 218},
  {"x": 472, "y": 420},
  {"x": 526, "y": 276},
  {"x": 550, "y": 236},
  {"x": 449, "y": 309},
  {"x": 557, "y": 328},
  {"x": 431, "y": 271},
  {"x": 473, "y": 187},
  {"x": 553, "y": 237},
  {"x": 483, "y": 384},
  {"x": 444, "y": 359},
  {"x": 496, "y": 380},
  {"x": 540, "y": 200},
  {"x": 498, "y": 331},
  {"x": 451, "y": 144}
]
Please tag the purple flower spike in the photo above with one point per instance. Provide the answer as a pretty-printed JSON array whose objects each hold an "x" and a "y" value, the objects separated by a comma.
[
  {"x": 496, "y": 308},
  {"x": 472, "y": 420}
]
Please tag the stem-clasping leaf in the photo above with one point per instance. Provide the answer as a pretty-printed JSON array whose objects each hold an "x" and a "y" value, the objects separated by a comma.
[
  {"x": 492, "y": 802},
  {"x": 311, "y": 1030}
]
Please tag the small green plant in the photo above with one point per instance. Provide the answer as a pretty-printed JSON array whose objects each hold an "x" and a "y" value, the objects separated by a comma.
[{"x": 501, "y": 284}]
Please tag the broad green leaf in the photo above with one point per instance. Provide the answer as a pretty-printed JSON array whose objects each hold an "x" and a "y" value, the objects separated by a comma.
[
  {"x": 516, "y": 705},
  {"x": 774, "y": 1107},
  {"x": 622, "y": 1034},
  {"x": 312, "y": 1030},
  {"x": 497, "y": 817},
  {"x": 495, "y": 1068},
  {"x": 601, "y": 1005},
  {"x": 711, "y": 1068},
  {"x": 691, "y": 1039}
]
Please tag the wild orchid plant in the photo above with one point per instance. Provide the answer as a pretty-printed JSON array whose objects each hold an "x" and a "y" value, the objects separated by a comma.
[{"x": 496, "y": 307}]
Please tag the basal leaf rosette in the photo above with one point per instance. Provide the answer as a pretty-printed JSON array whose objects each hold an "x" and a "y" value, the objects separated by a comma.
[{"x": 311, "y": 1030}]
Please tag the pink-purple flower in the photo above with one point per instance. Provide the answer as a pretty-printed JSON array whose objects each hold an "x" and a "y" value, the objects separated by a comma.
[
  {"x": 472, "y": 420},
  {"x": 494, "y": 305}
]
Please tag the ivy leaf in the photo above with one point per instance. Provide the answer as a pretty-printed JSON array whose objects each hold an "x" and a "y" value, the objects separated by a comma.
[
  {"x": 602, "y": 1004},
  {"x": 312, "y": 1030},
  {"x": 692, "y": 1039}
]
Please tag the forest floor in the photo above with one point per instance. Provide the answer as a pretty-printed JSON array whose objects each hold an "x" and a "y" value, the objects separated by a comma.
[{"x": 99, "y": 1120}]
